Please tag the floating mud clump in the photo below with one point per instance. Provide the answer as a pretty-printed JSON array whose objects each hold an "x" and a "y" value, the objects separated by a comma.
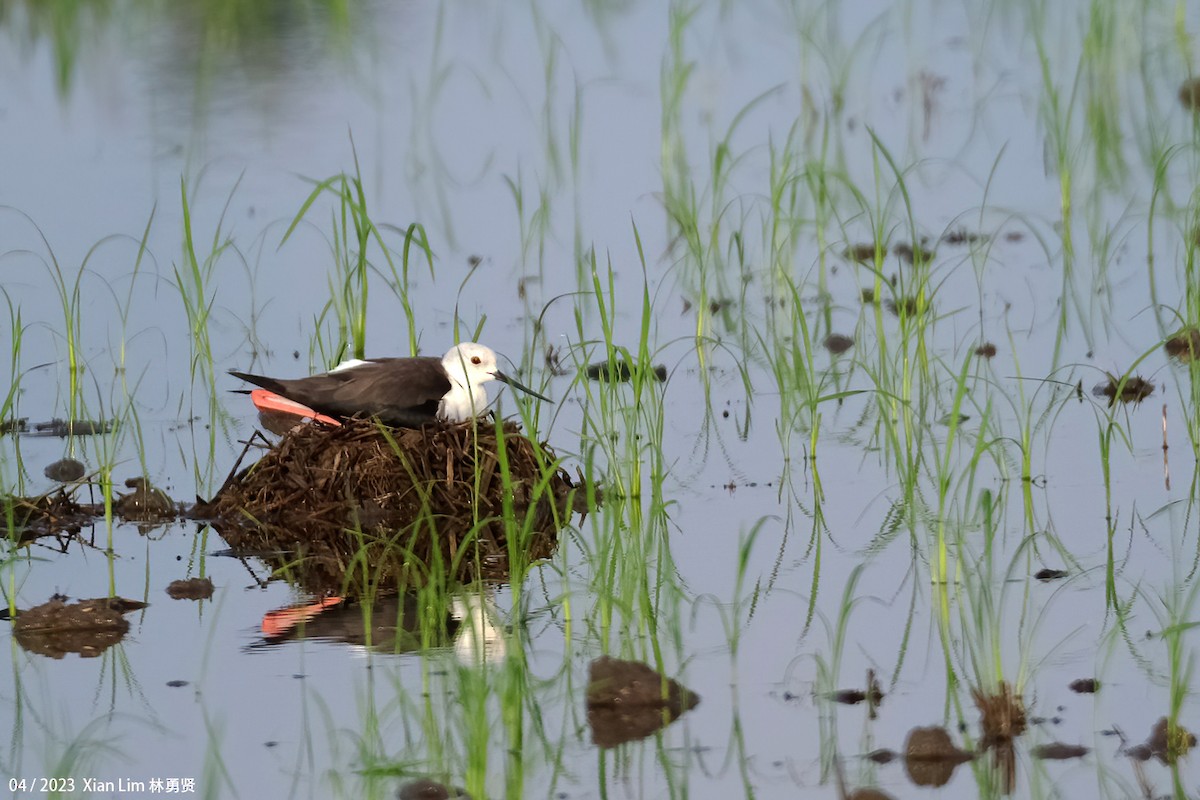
[
  {"x": 930, "y": 756},
  {"x": 361, "y": 507},
  {"x": 1132, "y": 389},
  {"x": 1184, "y": 346},
  {"x": 1189, "y": 94},
  {"x": 1168, "y": 742},
  {"x": 838, "y": 343},
  {"x": 628, "y": 700},
  {"x": 65, "y": 470},
  {"x": 145, "y": 503},
  {"x": 986, "y": 350},
  {"x": 88, "y": 627},
  {"x": 191, "y": 589}
]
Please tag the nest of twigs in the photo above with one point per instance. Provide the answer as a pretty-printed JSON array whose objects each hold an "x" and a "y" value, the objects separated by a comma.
[{"x": 362, "y": 507}]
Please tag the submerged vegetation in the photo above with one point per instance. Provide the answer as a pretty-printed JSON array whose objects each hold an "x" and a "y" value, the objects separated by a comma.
[{"x": 878, "y": 371}]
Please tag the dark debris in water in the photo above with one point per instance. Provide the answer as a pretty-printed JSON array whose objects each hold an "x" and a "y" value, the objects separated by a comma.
[
  {"x": 868, "y": 793},
  {"x": 1167, "y": 743},
  {"x": 960, "y": 236},
  {"x": 838, "y": 343},
  {"x": 54, "y": 512},
  {"x": 1084, "y": 685},
  {"x": 1185, "y": 345},
  {"x": 873, "y": 694},
  {"x": 621, "y": 370},
  {"x": 427, "y": 789},
  {"x": 627, "y": 700},
  {"x": 1189, "y": 94},
  {"x": 862, "y": 252},
  {"x": 145, "y": 503},
  {"x": 909, "y": 306},
  {"x": 930, "y": 756},
  {"x": 19, "y": 425},
  {"x": 910, "y": 254},
  {"x": 1058, "y": 751},
  {"x": 58, "y": 511},
  {"x": 1002, "y": 715},
  {"x": 75, "y": 427},
  {"x": 87, "y": 627},
  {"x": 65, "y": 470},
  {"x": 403, "y": 501},
  {"x": 1135, "y": 389},
  {"x": 1050, "y": 574},
  {"x": 986, "y": 350},
  {"x": 190, "y": 589}
]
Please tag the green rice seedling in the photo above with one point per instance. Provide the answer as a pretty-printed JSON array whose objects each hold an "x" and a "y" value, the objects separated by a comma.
[
  {"x": 1111, "y": 429},
  {"x": 1175, "y": 608},
  {"x": 194, "y": 280},
  {"x": 1101, "y": 64},
  {"x": 10, "y": 406},
  {"x": 352, "y": 230},
  {"x": 1064, "y": 149},
  {"x": 70, "y": 303},
  {"x": 354, "y": 235},
  {"x": 427, "y": 166}
]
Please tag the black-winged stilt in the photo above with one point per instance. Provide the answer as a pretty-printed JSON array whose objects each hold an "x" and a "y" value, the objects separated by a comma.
[{"x": 402, "y": 392}]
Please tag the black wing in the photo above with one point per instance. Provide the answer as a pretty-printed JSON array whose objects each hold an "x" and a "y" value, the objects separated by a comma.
[{"x": 400, "y": 391}]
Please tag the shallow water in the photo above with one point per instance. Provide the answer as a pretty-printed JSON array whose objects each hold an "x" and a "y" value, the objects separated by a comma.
[{"x": 529, "y": 138}]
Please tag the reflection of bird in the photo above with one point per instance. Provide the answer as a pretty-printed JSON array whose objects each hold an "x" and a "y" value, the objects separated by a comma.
[{"x": 403, "y": 392}]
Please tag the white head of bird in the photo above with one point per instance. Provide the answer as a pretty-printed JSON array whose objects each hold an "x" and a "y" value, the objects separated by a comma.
[{"x": 468, "y": 366}]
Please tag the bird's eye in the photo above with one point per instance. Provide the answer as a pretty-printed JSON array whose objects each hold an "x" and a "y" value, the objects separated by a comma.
[{"x": 476, "y": 360}]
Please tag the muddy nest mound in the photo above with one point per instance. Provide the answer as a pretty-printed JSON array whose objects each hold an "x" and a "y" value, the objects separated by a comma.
[{"x": 361, "y": 507}]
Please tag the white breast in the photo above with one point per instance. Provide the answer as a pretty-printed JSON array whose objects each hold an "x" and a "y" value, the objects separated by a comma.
[{"x": 459, "y": 404}]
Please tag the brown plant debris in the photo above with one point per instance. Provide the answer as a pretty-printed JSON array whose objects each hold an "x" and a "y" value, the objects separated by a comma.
[
  {"x": 1167, "y": 743},
  {"x": 986, "y": 350},
  {"x": 54, "y": 512},
  {"x": 18, "y": 425},
  {"x": 145, "y": 503},
  {"x": 863, "y": 252},
  {"x": 1135, "y": 389},
  {"x": 1189, "y": 94},
  {"x": 191, "y": 589},
  {"x": 873, "y": 694},
  {"x": 627, "y": 700},
  {"x": 1185, "y": 345},
  {"x": 87, "y": 627},
  {"x": 911, "y": 254},
  {"x": 930, "y": 756},
  {"x": 867, "y": 296},
  {"x": 1084, "y": 685},
  {"x": 1057, "y": 751},
  {"x": 904, "y": 306},
  {"x": 838, "y": 343},
  {"x": 384, "y": 506},
  {"x": 1002, "y": 715},
  {"x": 959, "y": 236}
]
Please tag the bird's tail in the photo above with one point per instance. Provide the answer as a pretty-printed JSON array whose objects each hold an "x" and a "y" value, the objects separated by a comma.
[{"x": 259, "y": 380}]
